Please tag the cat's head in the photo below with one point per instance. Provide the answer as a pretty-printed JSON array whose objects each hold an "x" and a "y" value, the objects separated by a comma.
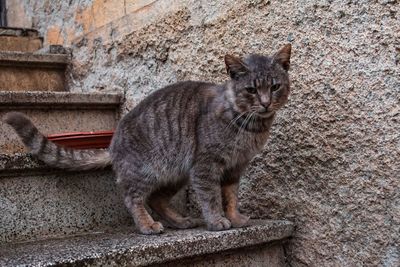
[{"x": 258, "y": 83}]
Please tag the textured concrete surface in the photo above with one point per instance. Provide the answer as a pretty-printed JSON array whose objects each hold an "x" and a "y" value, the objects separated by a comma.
[
  {"x": 33, "y": 59},
  {"x": 19, "y": 32},
  {"x": 126, "y": 248},
  {"x": 331, "y": 164},
  {"x": 20, "y": 39},
  {"x": 31, "y": 79},
  {"x": 16, "y": 43},
  {"x": 79, "y": 18},
  {"x": 20, "y": 163},
  {"x": 65, "y": 100},
  {"x": 32, "y": 72},
  {"x": 38, "y": 202},
  {"x": 58, "y": 113},
  {"x": 19, "y": 13},
  {"x": 255, "y": 256}
]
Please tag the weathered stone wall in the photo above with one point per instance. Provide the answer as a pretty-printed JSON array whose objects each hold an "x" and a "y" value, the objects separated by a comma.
[
  {"x": 332, "y": 163},
  {"x": 19, "y": 13}
]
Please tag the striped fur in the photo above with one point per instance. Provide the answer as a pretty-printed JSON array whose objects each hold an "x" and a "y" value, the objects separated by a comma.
[
  {"x": 52, "y": 154},
  {"x": 199, "y": 133}
]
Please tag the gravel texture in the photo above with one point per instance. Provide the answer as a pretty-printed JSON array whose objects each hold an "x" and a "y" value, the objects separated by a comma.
[{"x": 38, "y": 202}]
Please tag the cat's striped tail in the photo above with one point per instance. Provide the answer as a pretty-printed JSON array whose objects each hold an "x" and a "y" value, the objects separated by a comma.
[{"x": 52, "y": 154}]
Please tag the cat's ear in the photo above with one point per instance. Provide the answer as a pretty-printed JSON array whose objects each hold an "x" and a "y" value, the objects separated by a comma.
[
  {"x": 235, "y": 66},
  {"x": 282, "y": 57}
]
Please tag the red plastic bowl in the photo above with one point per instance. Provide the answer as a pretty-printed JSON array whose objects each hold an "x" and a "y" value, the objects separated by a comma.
[{"x": 83, "y": 140}]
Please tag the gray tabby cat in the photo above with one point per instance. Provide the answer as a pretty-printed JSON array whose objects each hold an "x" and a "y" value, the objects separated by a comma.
[{"x": 200, "y": 132}]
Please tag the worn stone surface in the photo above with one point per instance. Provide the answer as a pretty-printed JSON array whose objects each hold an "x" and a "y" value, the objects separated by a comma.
[
  {"x": 19, "y": 32},
  {"x": 37, "y": 201},
  {"x": 20, "y": 39},
  {"x": 123, "y": 247},
  {"x": 19, "y": 163},
  {"x": 78, "y": 18},
  {"x": 256, "y": 256},
  {"x": 16, "y": 43},
  {"x": 331, "y": 164},
  {"x": 31, "y": 79},
  {"x": 58, "y": 203},
  {"x": 32, "y": 72},
  {"x": 65, "y": 100},
  {"x": 19, "y": 13},
  {"x": 57, "y": 113},
  {"x": 33, "y": 59}
]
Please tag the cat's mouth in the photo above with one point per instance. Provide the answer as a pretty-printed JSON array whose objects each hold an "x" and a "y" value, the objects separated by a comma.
[{"x": 265, "y": 113}]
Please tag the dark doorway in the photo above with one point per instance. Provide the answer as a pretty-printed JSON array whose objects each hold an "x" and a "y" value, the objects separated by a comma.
[{"x": 3, "y": 13}]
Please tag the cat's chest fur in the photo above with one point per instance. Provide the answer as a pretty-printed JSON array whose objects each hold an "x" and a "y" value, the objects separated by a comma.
[{"x": 245, "y": 147}]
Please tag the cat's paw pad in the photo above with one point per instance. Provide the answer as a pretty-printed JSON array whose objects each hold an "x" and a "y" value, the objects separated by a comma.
[
  {"x": 239, "y": 220},
  {"x": 153, "y": 229},
  {"x": 219, "y": 224}
]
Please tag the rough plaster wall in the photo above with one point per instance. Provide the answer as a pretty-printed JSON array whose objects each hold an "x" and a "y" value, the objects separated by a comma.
[
  {"x": 332, "y": 163},
  {"x": 57, "y": 19},
  {"x": 19, "y": 13}
]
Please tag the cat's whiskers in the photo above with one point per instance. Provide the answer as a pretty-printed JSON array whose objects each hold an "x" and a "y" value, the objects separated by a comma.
[
  {"x": 233, "y": 121},
  {"x": 237, "y": 137},
  {"x": 252, "y": 122},
  {"x": 241, "y": 130}
]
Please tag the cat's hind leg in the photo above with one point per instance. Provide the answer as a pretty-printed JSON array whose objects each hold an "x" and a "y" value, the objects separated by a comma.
[
  {"x": 159, "y": 201},
  {"x": 136, "y": 191}
]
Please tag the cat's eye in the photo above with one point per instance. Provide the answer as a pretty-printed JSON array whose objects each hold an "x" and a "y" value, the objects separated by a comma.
[
  {"x": 251, "y": 90},
  {"x": 275, "y": 87}
]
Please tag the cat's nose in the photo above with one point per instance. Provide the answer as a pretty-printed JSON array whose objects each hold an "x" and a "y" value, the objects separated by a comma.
[{"x": 265, "y": 104}]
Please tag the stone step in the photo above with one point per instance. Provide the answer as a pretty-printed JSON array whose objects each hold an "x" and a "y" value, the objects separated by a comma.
[
  {"x": 260, "y": 244},
  {"x": 23, "y": 71},
  {"x": 37, "y": 201},
  {"x": 58, "y": 112},
  {"x": 18, "y": 39}
]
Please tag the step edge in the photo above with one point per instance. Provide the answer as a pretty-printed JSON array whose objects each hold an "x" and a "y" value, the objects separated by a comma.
[
  {"x": 215, "y": 245},
  {"x": 35, "y": 32},
  {"x": 32, "y": 59},
  {"x": 154, "y": 250},
  {"x": 17, "y": 98}
]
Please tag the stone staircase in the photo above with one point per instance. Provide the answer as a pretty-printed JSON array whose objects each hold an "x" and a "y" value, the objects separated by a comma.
[
  {"x": 52, "y": 217},
  {"x": 24, "y": 68}
]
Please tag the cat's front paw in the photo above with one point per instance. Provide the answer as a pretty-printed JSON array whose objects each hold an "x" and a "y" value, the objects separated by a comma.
[
  {"x": 153, "y": 229},
  {"x": 219, "y": 224},
  {"x": 239, "y": 220}
]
